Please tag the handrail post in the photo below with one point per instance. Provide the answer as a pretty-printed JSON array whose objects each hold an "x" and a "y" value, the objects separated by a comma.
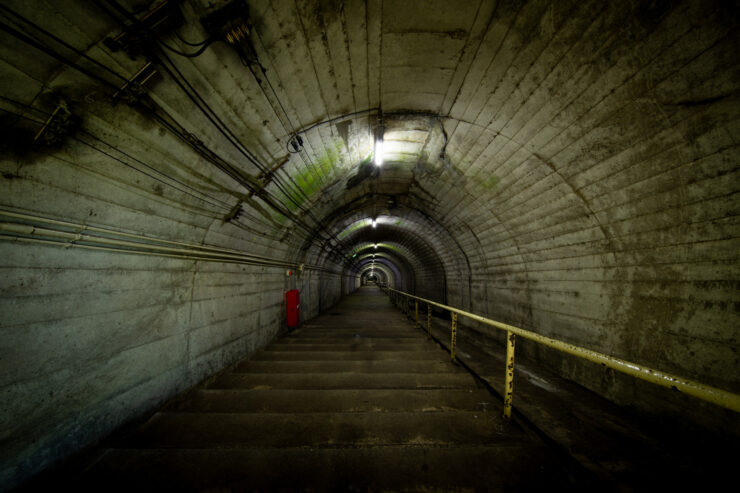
[
  {"x": 416, "y": 310},
  {"x": 429, "y": 319},
  {"x": 509, "y": 378},
  {"x": 453, "y": 343}
]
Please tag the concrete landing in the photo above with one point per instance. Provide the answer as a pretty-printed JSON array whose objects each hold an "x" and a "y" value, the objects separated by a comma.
[{"x": 355, "y": 400}]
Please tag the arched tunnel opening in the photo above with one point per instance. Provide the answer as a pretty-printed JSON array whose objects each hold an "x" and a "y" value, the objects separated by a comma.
[{"x": 171, "y": 169}]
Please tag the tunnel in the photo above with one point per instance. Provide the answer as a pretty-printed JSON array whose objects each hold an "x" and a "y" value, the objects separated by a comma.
[{"x": 171, "y": 169}]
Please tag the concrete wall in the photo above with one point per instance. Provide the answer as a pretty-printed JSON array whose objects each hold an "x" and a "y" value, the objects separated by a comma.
[
  {"x": 91, "y": 339},
  {"x": 615, "y": 183}
]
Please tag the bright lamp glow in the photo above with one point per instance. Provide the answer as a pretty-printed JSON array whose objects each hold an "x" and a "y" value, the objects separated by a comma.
[
  {"x": 375, "y": 223},
  {"x": 379, "y": 152},
  {"x": 375, "y": 246}
]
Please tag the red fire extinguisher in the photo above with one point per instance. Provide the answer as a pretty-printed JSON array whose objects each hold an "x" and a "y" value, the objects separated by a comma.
[{"x": 291, "y": 300}]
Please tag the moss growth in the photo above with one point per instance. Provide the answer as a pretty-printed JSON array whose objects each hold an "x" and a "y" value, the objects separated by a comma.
[
  {"x": 354, "y": 227},
  {"x": 490, "y": 183},
  {"x": 312, "y": 177}
]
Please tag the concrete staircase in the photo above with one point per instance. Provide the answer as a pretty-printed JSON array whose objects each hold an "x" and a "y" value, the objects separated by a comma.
[{"x": 355, "y": 400}]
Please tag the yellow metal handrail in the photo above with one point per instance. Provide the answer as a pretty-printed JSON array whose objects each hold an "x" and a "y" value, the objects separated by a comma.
[{"x": 714, "y": 395}]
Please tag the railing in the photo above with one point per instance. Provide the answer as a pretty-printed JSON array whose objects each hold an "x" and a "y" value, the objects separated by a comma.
[{"x": 705, "y": 392}]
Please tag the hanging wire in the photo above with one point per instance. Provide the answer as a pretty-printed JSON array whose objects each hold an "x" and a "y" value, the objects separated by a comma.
[
  {"x": 316, "y": 236},
  {"x": 210, "y": 200},
  {"x": 184, "y": 41},
  {"x": 46, "y": 33},
  {"x": 46, "y": 50},
  {"x": 294, "y": 134},
  {"x": 195, "y": 54}
]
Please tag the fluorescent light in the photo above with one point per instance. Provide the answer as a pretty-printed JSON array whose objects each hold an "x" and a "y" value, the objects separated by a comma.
[{"x": 379, "y": 152}]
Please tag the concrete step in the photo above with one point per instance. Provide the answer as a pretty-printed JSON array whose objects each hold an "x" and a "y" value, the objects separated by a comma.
[
  {"x": 297, "y": 340},
  {"x": 357, "y": 400},
  {"x": 347, "y": 331},
  {"x": 356, "y": 345},
  {"x": 462, "y": 468},
  {"x": 348, "y": 355},
  {"x": 366, "y": 366},
  {"x": 239, "y": 430},
  {"x": 349, "y": 335},
  {"x": 341, "y": 400},
  {"x": 265, "y": 381}
]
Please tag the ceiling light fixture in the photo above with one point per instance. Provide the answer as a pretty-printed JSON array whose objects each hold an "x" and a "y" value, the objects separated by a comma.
[{"x": 379, "y": 151}]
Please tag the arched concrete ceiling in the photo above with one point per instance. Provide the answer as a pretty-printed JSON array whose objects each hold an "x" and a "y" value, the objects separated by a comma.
[{"x": 569, "y": 167}]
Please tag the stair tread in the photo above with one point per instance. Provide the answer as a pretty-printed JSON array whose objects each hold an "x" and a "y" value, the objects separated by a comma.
[
  {"x": 348, "y": 355},
  {"x": 355, "y": 400},
  {"x": 366, "y": 366},
  {"x": 355, "y": 346},
  {"x": 226, "y": 430},
  {"x": 345, "y": 380},
  {"x": 343, "y": 400},
  {"x": 510, "y": 468}
]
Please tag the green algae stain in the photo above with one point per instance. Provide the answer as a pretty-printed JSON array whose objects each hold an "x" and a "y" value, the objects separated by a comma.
[
  {"x": 490, "y": 183},
  {"x": 354, "y": 227},
  {"x": 311, "y": 178}
]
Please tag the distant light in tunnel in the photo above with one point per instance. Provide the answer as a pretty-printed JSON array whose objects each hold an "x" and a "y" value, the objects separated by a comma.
[
  {"x": 375, "y": 223},
  {"x": 375, "y": 246}
]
